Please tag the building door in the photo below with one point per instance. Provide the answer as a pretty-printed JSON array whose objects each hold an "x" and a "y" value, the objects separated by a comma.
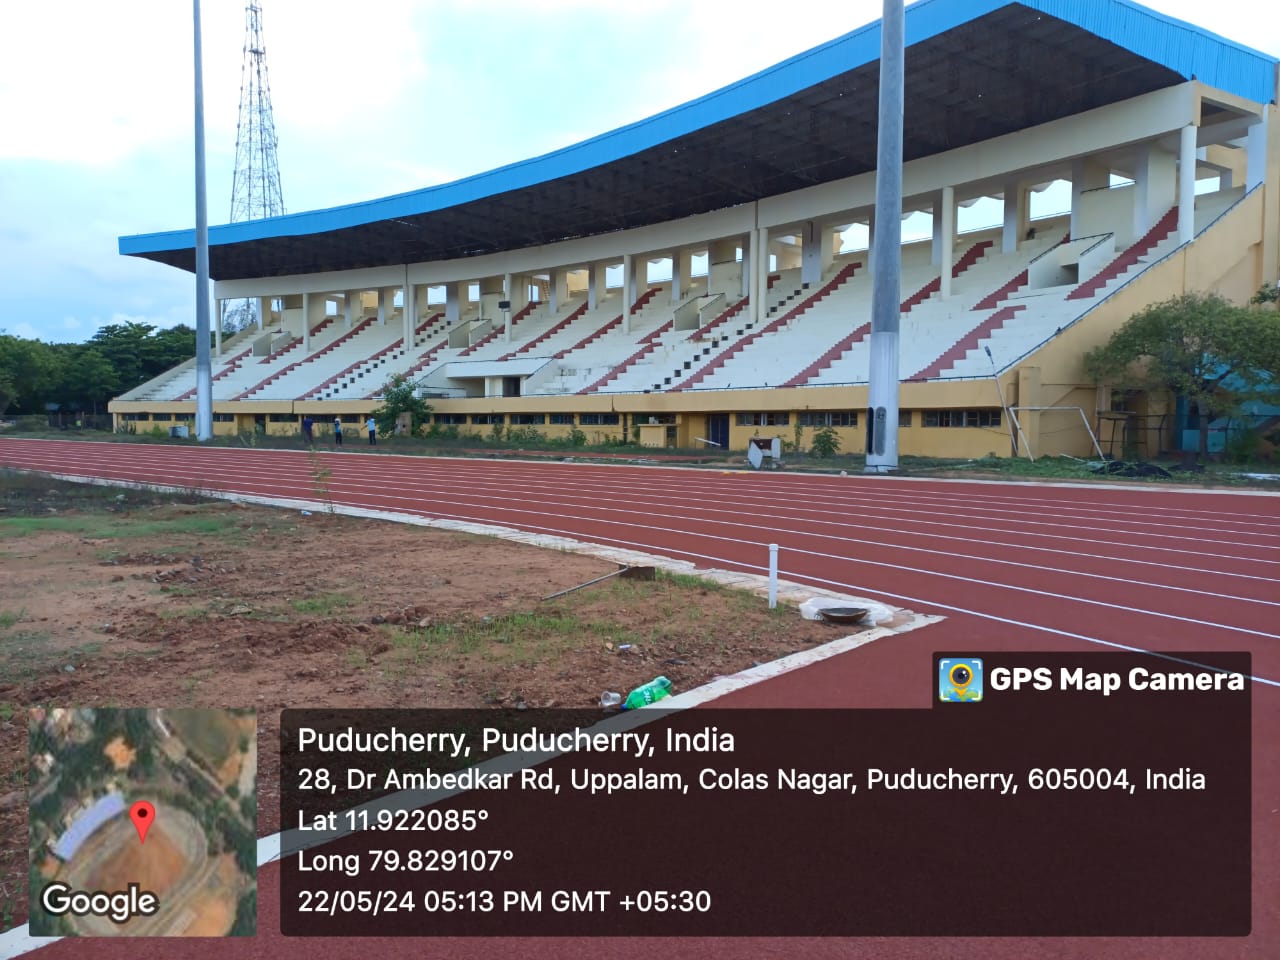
[{"x": 718, "y": 429}]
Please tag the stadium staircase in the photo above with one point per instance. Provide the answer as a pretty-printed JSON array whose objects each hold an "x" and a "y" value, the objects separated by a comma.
[
  {"x": 340, "y": 384},
  {"x": 304, "y": 365},
  {"x": 231, "y": 366},
  {"x": 846, "y": 343},
  {"x": 681, "y": 351},
  {"x": 573, "y": 317},
  {"x": 708, "y": 371},
  {"x": 500, "y": 329},
  {"x": 1040, "y": 315}
]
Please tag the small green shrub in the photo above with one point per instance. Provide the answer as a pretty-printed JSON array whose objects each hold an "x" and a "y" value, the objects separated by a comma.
[
  {"x": 525, "y": 436},
  {"x": 826, "y": 443}
]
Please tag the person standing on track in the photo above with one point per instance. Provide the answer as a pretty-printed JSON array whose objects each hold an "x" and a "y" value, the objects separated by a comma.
[
  {"x": 337, "y": 431},
  {"x": 372, "y": 426},
  {"x": 307, "y": 426}
]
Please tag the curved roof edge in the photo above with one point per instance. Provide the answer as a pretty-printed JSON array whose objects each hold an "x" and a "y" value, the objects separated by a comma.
[{"x": 1184, "y": 48}]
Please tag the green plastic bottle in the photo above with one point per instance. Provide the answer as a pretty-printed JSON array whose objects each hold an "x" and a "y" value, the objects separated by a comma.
[{"x": 656, "y": 689}]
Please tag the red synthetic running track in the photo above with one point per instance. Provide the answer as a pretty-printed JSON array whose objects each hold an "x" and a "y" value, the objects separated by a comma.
[{"x": 1011, "y": 566}]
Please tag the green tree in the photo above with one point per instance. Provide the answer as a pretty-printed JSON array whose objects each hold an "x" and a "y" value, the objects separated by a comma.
[
  {"x": 400, "y": 395},
  {"x": 246, "y": 922},
  {"x": 88, "y": 378},
  {"x": 27, "y": 373},
  {"x": 1198, "y": 346},
  {"x": 139, "y": 351}
]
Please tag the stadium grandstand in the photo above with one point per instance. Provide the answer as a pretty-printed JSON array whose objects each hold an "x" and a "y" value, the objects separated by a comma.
[{"x": 698, "y": 277}]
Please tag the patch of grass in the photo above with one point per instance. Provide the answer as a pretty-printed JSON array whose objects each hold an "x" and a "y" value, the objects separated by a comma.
[
  {"x": 96, "y": 527},
  {"x": 9, "y": 618},
  {"x": 689, "y": 581},
  {"x": 27, "y": 655},
  {"x": 322, "y": 604},
  {"x": 6, "y": 711}
]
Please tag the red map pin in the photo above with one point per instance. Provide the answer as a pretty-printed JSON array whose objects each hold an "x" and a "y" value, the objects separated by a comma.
[{"x": 142, "y": 813}]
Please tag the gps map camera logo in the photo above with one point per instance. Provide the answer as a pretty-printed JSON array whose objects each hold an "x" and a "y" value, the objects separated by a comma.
[{"x": 960, "y": 680}]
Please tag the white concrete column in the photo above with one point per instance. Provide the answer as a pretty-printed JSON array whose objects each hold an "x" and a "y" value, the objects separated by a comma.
[
  {"x": 350, "y": 303},
  {"x": 1187, "y": 183},
  {"x": 385, "y": 302},
  {"x": 745, "y": 289},
  {"x": 307, "y": 300},
  {"x": 871, "y": 243},
  {"x": 506, "y": 314},
  {"x": 410, "y": 314},
  {"x": 948, "y": 250},
  {"x": 935, "y": 250},
  {"x": 628, "y": 290},
  {"x": 811, "y": 253},
  {"x": 559, "y": 289},
  {"x": 681, "y": 261},
  {"x": 219, "y": 306},
  {"x": 597, "y": 284},
  {"x": 264, "y": 312},
  {"x": 1086, "y": 174},
  {"x": 757, "y": 306},
  {"x": 1009, "y": 232},
  {"x": 451, "y": 305},
  {"x": 1256, "y": 153},
  {"x": 1154, "y": 186}
]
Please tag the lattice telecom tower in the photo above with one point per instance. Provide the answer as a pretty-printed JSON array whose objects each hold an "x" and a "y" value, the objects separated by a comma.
[{"x": 255, "y": 185}]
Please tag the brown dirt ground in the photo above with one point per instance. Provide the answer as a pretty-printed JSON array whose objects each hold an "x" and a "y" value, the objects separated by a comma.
[
  {"x": 274, "y": 609},
  {"x": 155, "y": 866}
]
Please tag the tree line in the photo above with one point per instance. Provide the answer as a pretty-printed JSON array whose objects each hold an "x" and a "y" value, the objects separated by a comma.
[{"x": 84, "y": 376}]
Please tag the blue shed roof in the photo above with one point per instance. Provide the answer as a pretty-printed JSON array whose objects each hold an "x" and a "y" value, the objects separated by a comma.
[
  {"x": 84, "y": 826},
  {"x": 578, "y": 190}
]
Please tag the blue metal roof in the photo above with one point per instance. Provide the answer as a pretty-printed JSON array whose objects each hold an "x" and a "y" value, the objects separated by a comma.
[
  {"x": 1183, "y": 49},
  {"x": 84, "y": 826}
]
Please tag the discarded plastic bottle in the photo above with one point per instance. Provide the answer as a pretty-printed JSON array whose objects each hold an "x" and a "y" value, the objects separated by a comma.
[
  {"x": 656, "y": 689},
  {"x": 609, "y": 699}
]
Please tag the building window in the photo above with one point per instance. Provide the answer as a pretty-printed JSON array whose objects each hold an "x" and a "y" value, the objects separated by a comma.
[
  {"x": 162, "y": 417},
  {"x": 135, "y": 417},
  {"x": 962, "y": 418},
  {"x": 904, "y": 418},
  {"x": 282, "y": 417},
  {"x": 224, "y": 418},
  {"x": 529, "y": 419},
  {"x": 561, "y": 419},
  {"x": 451, "y": 419},
  {"x": 598, "y": 420},
  {"x": 763, "y": 419},
  {"x": 828, "y": 418},
  {"x": 487, "y": 419}
]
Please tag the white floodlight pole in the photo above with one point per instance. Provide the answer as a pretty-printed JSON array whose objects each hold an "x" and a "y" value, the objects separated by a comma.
[
  {"x": 882, "y": 399},
  {"x": 204, "y": 374}
]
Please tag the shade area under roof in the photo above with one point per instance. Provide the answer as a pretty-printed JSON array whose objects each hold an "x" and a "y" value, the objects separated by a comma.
[{"x": 975, "y": 69}]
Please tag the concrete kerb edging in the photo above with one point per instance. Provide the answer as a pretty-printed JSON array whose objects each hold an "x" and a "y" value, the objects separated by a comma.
[{"x": 18, "y": 941}]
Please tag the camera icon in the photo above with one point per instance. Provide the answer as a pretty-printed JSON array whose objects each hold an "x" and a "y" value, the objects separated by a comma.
[{"x": 960, "y": 680}]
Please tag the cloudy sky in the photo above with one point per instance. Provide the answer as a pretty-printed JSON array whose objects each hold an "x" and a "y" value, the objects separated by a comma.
[{"x": 370, "y": 98}]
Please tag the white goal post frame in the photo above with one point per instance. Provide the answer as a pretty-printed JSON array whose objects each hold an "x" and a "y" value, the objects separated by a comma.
[{"x": 1013, "y": 412}]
